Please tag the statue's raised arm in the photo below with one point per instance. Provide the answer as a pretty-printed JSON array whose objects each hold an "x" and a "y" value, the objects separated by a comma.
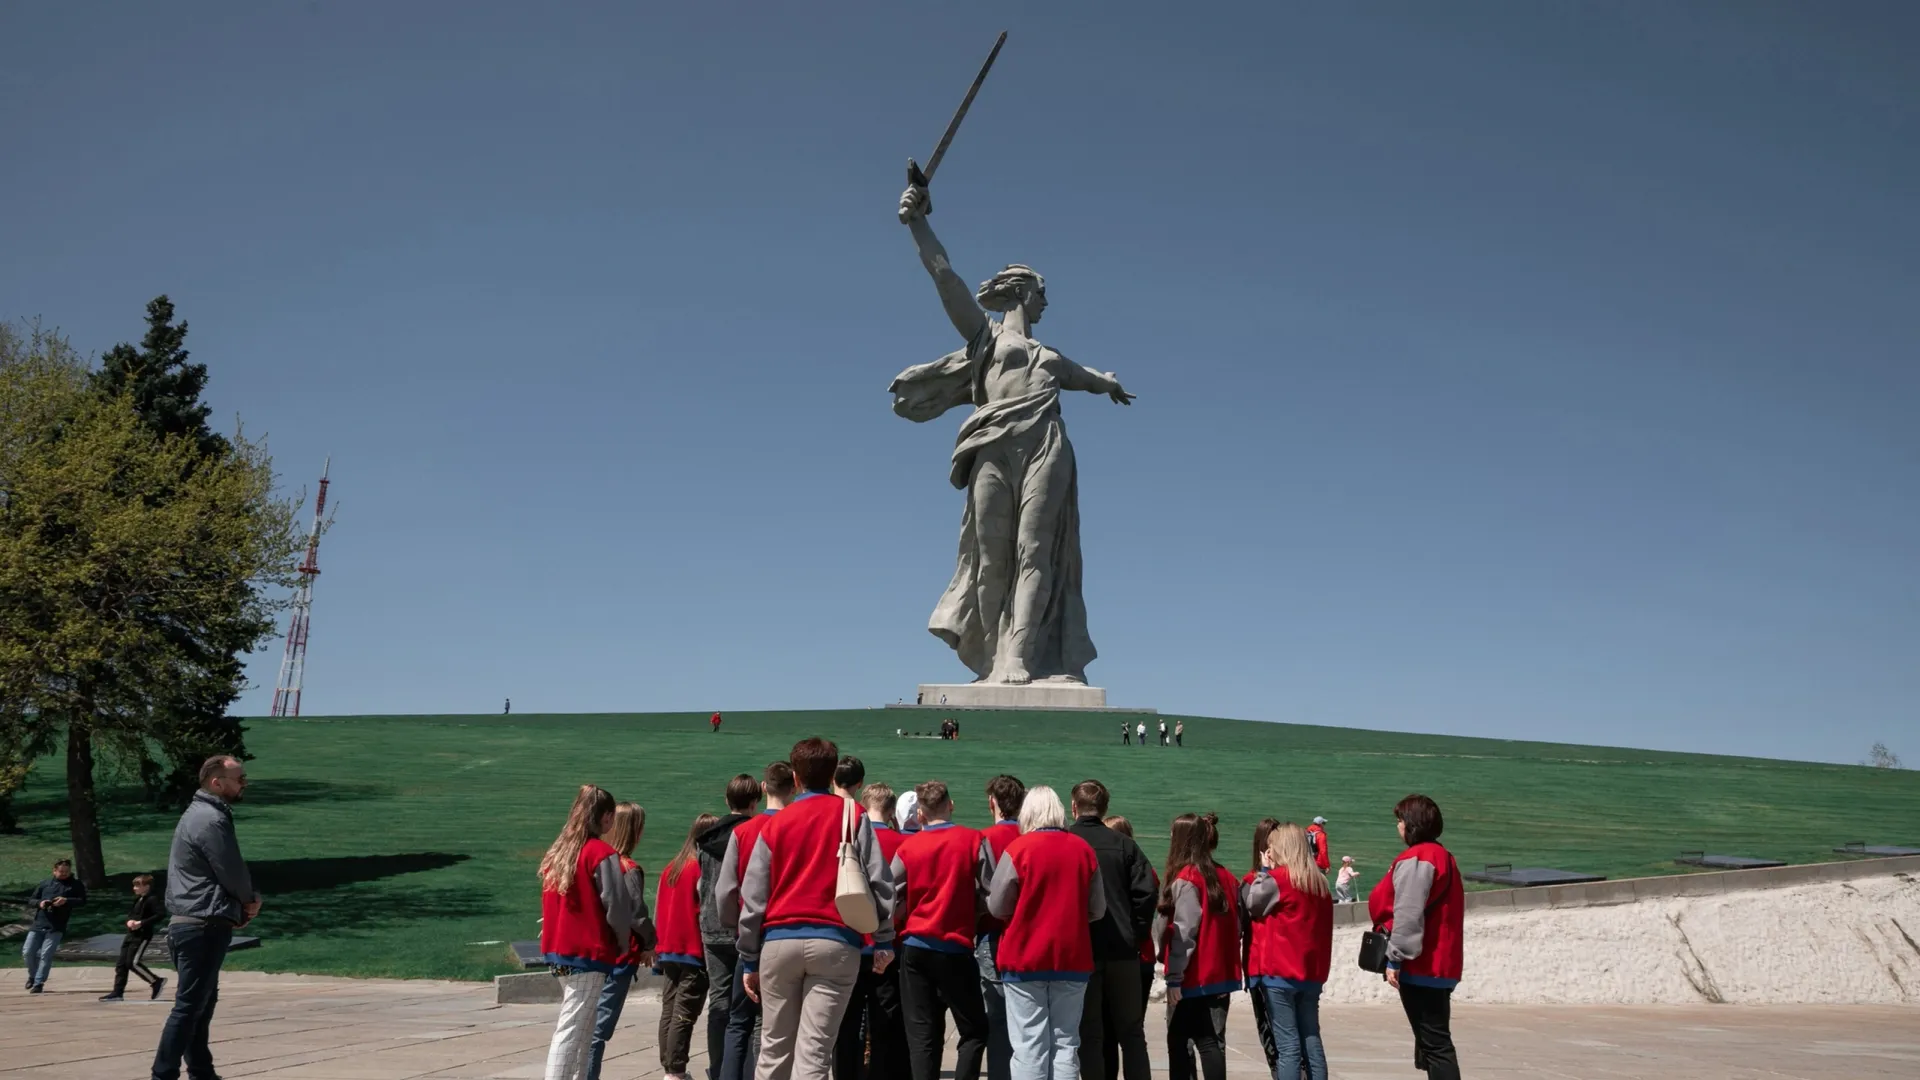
[{"x": 955, "y": 296}]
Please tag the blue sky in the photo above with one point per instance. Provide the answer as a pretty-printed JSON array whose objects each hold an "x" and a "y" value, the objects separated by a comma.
[{"x": 1510, "y": 369}]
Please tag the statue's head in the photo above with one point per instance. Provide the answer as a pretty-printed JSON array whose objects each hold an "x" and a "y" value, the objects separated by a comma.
[{"x": 1018, "y": 286}]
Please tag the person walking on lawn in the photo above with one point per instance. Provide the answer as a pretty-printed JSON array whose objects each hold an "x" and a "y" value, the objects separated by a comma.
[
  {"x": 53, "y": 901},
  {"x": 210, "y": 895},
  {"x": 133, "y": 947}
]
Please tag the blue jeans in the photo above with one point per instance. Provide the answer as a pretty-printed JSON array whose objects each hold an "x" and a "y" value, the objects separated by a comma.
[
  {"x": 38, "y": 952},
  {"x": 743, "y": 1033},
  {"x": 199, "y": 949},
  {"x": 993, "y": 995},
  {"x": 1043, "y": 1023},
  {"x": 613, "y": 998},
  {"x": 1294, "y": 1013}
]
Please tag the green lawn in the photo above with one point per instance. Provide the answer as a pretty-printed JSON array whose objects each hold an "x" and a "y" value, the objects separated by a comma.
[{"x": 399, "y": 846}]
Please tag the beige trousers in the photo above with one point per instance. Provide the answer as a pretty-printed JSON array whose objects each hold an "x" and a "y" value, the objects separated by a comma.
[{"x": 804, "y": 987}]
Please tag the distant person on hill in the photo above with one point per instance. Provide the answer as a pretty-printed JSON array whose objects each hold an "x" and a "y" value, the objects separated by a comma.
[
  {"x": 1005, "y": 795},
  {"x": 1292, "y": 949},
  {"x": 210, "y": 895},
  {"x": 714, "y": 721},
  {"x": 681, "y": 957},
  {"x": 1140, "y": 730},
  {"x": 1163, "y": 731},
  {"x": 1343, "y": 885},
  {"x": 1113, "y": 1001},
  {"x": 507, "y": 709},
  {"x": 52, "y": 902},
  {"x": 1420, "y": 904},
  {"x": 1047, "y": 890},
  {"x": 743, "y": 1009},
  {"x": 1126, "y": 733},
  {"x": 1262, "y": 831},
  {"x": 586, "y": 925},
  {"x": 1201, "y": 902},
  {"x": 629, "y": 823},
  {"x": 1180, "y": 733},
  {"x": 937, "y": 875},
  {"x": 133, "y": 947},
  {"x": 1109, "y": 1042},
  {"x": 801, "y": 957},
  {"x": 716, "y": 939},
  {"x": 1317, "y": 839}
]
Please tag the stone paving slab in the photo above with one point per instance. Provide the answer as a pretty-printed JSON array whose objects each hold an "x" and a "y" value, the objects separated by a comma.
[{"x": 295, "y": 1027}]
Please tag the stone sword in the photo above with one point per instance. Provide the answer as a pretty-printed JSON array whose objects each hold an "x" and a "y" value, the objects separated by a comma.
[{"x": 920, "y": 178}]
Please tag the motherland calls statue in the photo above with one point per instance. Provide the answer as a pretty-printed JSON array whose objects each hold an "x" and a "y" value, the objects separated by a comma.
[{"x": 1013, "y": 611}]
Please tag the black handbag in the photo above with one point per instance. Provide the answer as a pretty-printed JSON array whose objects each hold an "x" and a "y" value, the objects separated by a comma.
[{"x": 1373, "y": 951}]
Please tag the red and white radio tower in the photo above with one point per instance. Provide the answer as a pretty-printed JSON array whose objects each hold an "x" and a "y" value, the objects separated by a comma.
[{"x": 293, "y": 664}]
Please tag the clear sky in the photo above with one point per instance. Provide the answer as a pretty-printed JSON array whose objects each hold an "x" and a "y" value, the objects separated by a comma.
[{"x": 1511, "y": 369}]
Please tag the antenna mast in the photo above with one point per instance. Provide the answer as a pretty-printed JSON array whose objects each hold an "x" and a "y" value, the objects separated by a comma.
[{"x": 293, "y": 663}]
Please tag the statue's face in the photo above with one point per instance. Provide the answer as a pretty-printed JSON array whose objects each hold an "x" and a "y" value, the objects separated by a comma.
[{"x": 1036, "y": 304}]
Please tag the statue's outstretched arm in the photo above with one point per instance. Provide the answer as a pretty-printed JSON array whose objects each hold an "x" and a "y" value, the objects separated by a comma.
[
  {"x": 961, "y": 307},
  {"x": 1078, "y": 377}
]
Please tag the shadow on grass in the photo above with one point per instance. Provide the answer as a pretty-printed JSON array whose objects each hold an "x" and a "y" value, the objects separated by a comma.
[{"x": 124, "y": 808}]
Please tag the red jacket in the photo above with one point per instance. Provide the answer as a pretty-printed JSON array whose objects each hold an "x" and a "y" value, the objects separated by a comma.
[
  {"x": 1292, "y": 933},
  {"x": 1203, "y": 957},
  {"x": 889, "y": 839},
  {"x": 993, "y": 844},
  {"x": 1047, "y": 891},
  {"x": 676, "y": 915},
  {"x": 1420, "y": 903},
  {"x": 574, "y": 932},
  {"x": 1317, "y": 836},
  {"x": 937, "y": 873},
  {"x": 793, "y": 873}
]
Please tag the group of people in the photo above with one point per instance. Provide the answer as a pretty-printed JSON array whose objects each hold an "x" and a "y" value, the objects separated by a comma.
[
  {"x": 831, "y": 928},
  {"x": 1139, "y": 728}
]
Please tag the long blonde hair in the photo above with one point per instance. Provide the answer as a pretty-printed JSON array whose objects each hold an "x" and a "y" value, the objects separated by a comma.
[
  {"x": 1287, "y": 846},
  {"x": 629, "y": 821},
  {"x": 591, "y": 805}
]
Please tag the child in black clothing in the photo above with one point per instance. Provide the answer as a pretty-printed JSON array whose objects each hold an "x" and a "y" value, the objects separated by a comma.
[{"x": 133, "y": 948}]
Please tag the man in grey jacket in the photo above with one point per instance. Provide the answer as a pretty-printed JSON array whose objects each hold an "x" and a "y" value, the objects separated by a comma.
[{"x": 209, "y": 895}]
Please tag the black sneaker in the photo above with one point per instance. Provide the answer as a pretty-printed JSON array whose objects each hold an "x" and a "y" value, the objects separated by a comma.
[
  {"x": 158, "y": 985},
  {"x": 113, "y": 997},
  {"x": 36, "y": 988}
]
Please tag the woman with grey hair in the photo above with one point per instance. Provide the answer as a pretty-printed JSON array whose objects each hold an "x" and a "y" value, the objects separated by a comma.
[{"x": 1013, "y": 611}]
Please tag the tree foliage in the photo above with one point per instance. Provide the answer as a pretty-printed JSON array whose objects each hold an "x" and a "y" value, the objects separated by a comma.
[
  {"x": 134, "y": 566},
  {"x": 1880, "y": 757}
]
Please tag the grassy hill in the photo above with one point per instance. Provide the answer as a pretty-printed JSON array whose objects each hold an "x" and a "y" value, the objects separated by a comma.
[{"x": 402, "y": 846}]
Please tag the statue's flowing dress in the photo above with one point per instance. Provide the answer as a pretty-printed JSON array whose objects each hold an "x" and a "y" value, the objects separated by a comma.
[{"x": 1012, "y": 458}]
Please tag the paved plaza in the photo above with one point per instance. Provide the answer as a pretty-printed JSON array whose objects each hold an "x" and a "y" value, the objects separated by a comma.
[{"x": 314, "y": 1028}]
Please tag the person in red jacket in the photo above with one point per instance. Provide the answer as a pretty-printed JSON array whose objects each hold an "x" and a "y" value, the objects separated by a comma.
[
  {"x": 1291, "y": 948},
  {"x": 680, "y": 957},
  {"x": 1262, "y": 1027},
  {"x": 741, "y": 1054},
  {"x": 1047, "y": 891},
  {"x": 629, "y": 822},
  {"x": 1317, "y": 841},
  {"x": 1420, "y": 904},
  {"x": 1201, "y": 903},
  {"x": 715, "y": 721},
  {"x": 1005, "y": 795},
  {"x": 586, "y": 925},
  {"x": 936, "y": 875},
  {"x": 800, "y": 956}
]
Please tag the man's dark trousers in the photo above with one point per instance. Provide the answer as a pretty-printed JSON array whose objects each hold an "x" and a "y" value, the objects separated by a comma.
[
  {"x": 741, "y": 1055},
  {"x": 1116, "y": 1011},
  {"x": 199, "y": 949},
  {"x": 873, "y": 1016},
  {"x": 932, "y": 983}
]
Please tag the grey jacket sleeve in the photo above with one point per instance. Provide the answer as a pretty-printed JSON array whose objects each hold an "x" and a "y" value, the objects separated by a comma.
[
  {"x": 754, "y": 892},
  {"x": 221, "y": 849},
  {"x": 1003, "y": 894},
  {"x": 1412, "y": 885},
  {"x": 644, "y": 936},
  {"x": 1183, "y": 930},
  {"x": 616, "y": 899},
  {"x": 1096, "y": 897},
  {"x": 1261, "y": 896},
  {"x": 726, "y": 891},
  {"x": 985, "y": 867},
  {"x": 879, "y": 880}
]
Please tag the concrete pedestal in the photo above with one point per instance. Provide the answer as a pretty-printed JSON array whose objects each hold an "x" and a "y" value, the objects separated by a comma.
[{"x": 1035, "y": 695}]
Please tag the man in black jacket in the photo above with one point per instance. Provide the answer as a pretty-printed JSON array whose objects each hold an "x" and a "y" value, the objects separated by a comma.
[
  {"x": 52, "y": 903},
  {"x": 743, "y": 796},
  {"x": 133, "y": 947},
  {"x": 1115, "y": 1010}
]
